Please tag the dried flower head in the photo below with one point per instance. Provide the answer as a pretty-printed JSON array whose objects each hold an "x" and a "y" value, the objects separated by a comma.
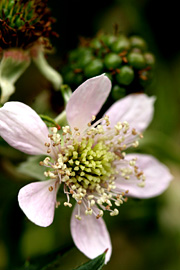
[{"x": 23, "y": 22}]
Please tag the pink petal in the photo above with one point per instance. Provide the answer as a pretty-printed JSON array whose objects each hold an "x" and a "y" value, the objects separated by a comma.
[
  {"x": 87, "y": 100},
  {"x": 136, "y": 109},
  {"x": 38, "y": 200},
  {"x": 23, "y": 129},
  {"x": 158, "y": 178},
  {"x": 90, "y": 235}
]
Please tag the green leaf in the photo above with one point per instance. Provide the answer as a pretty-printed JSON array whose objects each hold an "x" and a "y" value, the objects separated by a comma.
[
  {"x": 95, "y": 264},
  {"x": 32, "y": 168},
  {"x": 49, "y": 121},
  {"x": 46, "y": 262}
]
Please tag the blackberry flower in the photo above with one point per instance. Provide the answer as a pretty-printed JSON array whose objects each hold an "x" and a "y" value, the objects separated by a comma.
[{"x": 88, "y": 158}]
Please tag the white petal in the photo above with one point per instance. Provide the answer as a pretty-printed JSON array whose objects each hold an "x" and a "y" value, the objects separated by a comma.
[
  {"x": 23, "y": 129},
  {"x": 158, "y": 178},
  {"x": 87, "y": 100},
  {"x": 136, "y": 109},
  {"x": 90, "y": 235},
  {"x": 38, "y": 200}
]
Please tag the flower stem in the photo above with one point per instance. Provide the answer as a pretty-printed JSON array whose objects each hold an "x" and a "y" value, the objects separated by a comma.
[
  {"x": 66, "y": 92},
  {"x": 48, "y": 72},
  {"x": 61, "y": 119},
  {"x": 13, "y": 64}
]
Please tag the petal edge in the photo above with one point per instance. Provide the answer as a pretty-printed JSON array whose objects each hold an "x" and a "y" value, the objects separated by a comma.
[
  {"x": 87, "y": 100},
  {"x": 23, "y": 129}
]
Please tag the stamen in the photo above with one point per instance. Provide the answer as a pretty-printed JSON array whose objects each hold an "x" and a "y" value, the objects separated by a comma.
[{"x": 86, "y": 164}]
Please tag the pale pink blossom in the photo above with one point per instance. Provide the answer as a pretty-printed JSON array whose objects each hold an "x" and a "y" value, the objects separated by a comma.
[{"x": 88, "y": 158}]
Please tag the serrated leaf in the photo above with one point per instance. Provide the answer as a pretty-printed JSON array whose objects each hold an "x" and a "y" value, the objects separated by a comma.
[
  {"x": 95, "y": 264},
  {"x": 32, "y": 168}
]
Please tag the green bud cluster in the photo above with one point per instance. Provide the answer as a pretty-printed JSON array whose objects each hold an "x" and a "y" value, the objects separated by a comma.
[{"x": 125, "y": 61}]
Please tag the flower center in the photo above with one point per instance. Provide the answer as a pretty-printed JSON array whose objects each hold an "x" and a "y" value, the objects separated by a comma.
[{"x": 86, "y": 163}]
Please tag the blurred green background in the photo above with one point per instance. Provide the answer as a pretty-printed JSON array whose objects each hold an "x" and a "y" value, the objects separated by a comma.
[{"x": 146, "y": 234}]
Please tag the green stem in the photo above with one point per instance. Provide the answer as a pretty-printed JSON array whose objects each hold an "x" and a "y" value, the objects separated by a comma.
[
  {"x": 48, "y": 72},
  {"x": 66, "y": 92},
  {"x": 61, "y": 119},
  {"x": 13, "y": 64}
]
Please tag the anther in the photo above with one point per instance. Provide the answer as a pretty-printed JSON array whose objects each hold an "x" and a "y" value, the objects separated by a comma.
[
  {"x": 54, "y": 129},
  {"x": 88, "y": 211},
  {"x": 134, "y": 132},
  {"x": 67, "y": 204},
  {"x": 50, "y": 188},
  {"x": 77, "y": 217},
  {"x": 47, "y": 144},
  {"x": 79, "y": 202},
  {"x": 135, "y": 144},
  {"x": 57, "y": 204},
  {"x": 142, "y": 184},
  {"x": 115, "y": 212}
]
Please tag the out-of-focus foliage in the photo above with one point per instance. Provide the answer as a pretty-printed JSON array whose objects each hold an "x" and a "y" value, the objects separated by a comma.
[{"x": 146, "y": 234}]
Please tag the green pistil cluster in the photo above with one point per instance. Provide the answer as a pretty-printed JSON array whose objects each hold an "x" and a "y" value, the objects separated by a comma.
[
  {"x": 22, "y": 22},
  {"x": 88, "y": 164},
  {"x": 125, "y": 60}
]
